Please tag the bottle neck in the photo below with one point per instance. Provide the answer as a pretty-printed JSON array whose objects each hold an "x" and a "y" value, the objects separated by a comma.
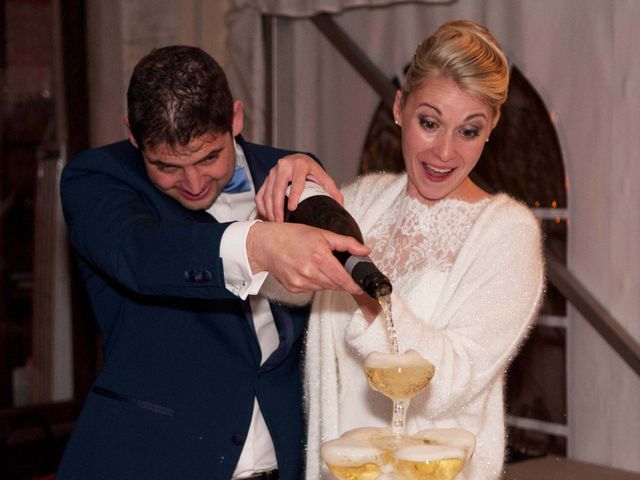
[
  {"x": 366, "y": 274},
  {"x": 354, "y": 260}
]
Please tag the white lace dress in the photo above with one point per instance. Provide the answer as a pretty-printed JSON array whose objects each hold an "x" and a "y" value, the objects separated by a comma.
[{"x": 467, "y": 282}]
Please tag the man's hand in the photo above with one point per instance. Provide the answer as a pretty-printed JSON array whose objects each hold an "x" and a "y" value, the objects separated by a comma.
[
  {"x": 296, "y": 169},
  {"x": 301, "y": 257}
]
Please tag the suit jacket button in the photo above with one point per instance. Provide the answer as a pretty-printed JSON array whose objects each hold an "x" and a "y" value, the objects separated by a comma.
[{"x": 237, "y": 439}]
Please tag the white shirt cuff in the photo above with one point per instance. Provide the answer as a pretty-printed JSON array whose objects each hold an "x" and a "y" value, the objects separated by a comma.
[{"x": 238, "y": 277}]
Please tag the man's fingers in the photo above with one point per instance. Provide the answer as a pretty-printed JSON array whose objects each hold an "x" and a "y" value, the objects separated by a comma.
[
  {"x": 333, "y": 269},
  {"x": 328, "y": 274},
  {"x": 326, "y": 182},
  {"x": 292, "y": 170},
  {"x": 343, "y": 243},
  {"x": 295, "y": 285},
  {"x": 317, "y": 174},
  {"x": 297, "y": 176},
  {"x": 280, "y": 189},
  {"x": 297, "y": 187},
  {"x": 268, "y": 198},
  {"x": 301, "y": 257},
  {"x": 259, "y": 200},
  {"x": 341, "y": 279},
  {"x": 325, "y": 270}
]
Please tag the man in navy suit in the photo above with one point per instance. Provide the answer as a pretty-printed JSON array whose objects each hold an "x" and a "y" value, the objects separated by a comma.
[{"x": 201, "y": 375}]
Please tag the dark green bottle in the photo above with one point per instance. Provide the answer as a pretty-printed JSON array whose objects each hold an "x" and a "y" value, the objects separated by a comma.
[{"x": 316, "y": 208}]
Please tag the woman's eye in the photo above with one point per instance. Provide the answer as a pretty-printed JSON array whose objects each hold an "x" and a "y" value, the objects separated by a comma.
[
  {"x": 470, "y": 132},
  {"x": 428, "y": 124}
]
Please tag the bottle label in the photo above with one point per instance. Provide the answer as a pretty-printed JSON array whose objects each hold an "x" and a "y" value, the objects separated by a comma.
[
  {"x": 354, "y": 260},
  {"x": 311, "y": 189}
]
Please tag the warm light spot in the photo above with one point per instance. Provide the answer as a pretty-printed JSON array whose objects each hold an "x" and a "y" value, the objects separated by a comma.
[
  {"x": 537, "y": 204},
  {"x": 557, "y": 219},
  {"x": 554, "y": 204}
]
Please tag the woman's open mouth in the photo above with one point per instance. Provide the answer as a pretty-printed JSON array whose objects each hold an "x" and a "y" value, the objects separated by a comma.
[{"x": 437, "y": 174}]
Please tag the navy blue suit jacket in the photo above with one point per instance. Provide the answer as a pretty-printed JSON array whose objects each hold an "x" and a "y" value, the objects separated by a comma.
[{"x": 181, "y": 359}]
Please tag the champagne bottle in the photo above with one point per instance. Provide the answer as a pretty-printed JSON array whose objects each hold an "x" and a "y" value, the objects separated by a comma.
[{"x": 317, "y": 209}]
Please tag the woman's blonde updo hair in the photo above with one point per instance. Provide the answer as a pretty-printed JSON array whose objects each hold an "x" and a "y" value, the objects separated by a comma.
[{"x": 468, "y": 54}]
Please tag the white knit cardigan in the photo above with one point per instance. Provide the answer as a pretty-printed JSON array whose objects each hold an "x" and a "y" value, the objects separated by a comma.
[{"x": 482, "y": 311}]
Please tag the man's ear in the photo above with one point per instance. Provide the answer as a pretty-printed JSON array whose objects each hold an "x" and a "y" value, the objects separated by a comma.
[
  {"x": 125, "y": 120},
  {"x": 237, "y": 123}
]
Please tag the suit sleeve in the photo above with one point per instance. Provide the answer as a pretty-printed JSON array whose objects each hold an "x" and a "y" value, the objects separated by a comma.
[{"x": 117, "y": 230}]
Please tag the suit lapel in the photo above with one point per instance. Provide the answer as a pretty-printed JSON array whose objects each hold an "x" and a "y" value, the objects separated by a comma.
[
  {"x": 282, "y": 316},
  {"x": 254, "y": 345},
  {"x": 284, "y": 324}
]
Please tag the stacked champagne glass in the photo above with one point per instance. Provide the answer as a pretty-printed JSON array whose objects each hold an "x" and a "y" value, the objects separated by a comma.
[{"x": 371, "y": 453}]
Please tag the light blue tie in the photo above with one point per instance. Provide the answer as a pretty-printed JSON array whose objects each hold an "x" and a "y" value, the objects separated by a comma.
[{"x": 239, "y": 182}]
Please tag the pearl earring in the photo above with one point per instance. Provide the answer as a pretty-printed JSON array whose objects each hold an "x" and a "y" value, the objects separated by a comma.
[
  {"x": 487, "y": 140},
  {"x": 396, "y": 120}
]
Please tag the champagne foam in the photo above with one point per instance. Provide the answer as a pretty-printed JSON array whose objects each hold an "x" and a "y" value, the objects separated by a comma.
[
  {"x": 349, "y": 452},
  {"x": 367, "y": 433},
  {"x": 410, "y": 358}
]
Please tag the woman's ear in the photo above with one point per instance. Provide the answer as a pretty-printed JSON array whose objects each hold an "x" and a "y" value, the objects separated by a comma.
[{"x": 397, "y": 108}]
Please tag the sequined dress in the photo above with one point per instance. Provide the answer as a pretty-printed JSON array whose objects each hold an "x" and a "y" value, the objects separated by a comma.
[{"x": 467, "y": 280}]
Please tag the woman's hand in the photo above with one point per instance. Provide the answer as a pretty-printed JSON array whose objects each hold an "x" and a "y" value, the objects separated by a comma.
[
  {"x": 369, "y": 306},
  {"x": 294, "y": 169}
]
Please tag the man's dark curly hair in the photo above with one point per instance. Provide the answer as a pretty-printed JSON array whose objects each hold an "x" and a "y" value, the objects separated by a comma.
[{"x": 176, "y": 94}]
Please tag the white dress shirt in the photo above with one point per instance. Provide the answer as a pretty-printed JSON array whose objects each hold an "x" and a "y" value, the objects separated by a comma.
[{"x": 258, "y": 453}]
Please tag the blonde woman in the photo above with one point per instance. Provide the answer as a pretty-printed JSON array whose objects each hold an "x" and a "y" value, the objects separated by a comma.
[{"x": 466, "y": 266}]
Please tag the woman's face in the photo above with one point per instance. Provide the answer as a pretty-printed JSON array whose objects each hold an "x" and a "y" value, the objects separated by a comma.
[{"x": 443, "y": 132}]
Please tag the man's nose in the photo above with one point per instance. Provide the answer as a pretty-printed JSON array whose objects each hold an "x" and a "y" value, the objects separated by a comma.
[{"x": 192, "y": 180}]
